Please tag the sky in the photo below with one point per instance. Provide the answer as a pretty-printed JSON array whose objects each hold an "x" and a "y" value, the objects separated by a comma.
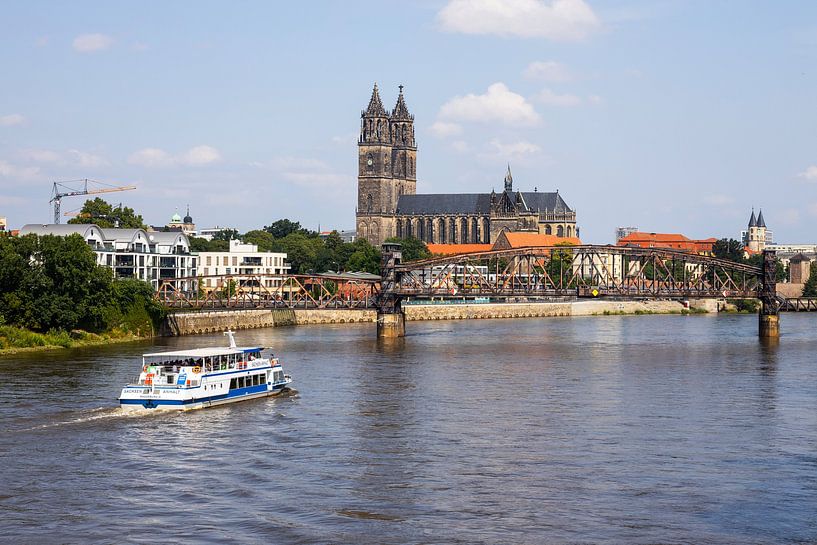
[{"x": 667, "y": 115}]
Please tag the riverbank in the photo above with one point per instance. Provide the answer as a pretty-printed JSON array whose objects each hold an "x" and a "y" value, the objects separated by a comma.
[
  {"x": 192, "y": 323},
  {"x": 14, "y": 340}
]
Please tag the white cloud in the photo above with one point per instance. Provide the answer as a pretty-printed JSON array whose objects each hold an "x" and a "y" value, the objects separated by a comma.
[
  {"x": 512, "y": 150},
  {"x": 809, "y": 174},
  {"x": 348, "y": 138},
  {"x": 157, "y": 158},
  {"x": 560, "y": 20},
  {"x": 306, "y": 172},
  {"x": 595, "y": 100},
  {"x": 88, "y": 43},
  {"x": 548, "y": 71},
  {"x": 549, "y": 98},
  {"x": 8, "y": 170},
  {"x": 11, "y": 120},
  {"x": 443, "y": 129},
  {"x": 71, "y": 157},
  {"x": 200, "y": 155},
  {"x": 85, "y": 159},
  {"x": 151, "y": 157},
  {"x": 498, "y": 104},
  {"x": 42, "y": 156}
]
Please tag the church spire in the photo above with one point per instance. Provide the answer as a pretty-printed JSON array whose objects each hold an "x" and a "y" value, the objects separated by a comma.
[
  {"x": 375, "y": 108},
  {"x": 752, "y": 219},
  {"x": 760, "y": 221},
  {"x": 509, "y": 179},
  {"x": 400, "y": 109}
]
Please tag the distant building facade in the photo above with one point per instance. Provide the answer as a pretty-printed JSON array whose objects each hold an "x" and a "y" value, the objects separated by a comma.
[
  {"x": 388, "y": 204},
  {"x": 155, "y": 257},
  {"x": 622, "y": 232},
  {"x": 673, "y": 241},
  {"x": 3, "y": 224},
  {"x": 242, "y": 259}
]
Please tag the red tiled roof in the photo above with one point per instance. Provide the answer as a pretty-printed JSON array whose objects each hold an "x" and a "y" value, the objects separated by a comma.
[
  {"x": 524, "y": 240},
  {"x": 667, "y": 240},
  {"x": 454, "y": 249}
]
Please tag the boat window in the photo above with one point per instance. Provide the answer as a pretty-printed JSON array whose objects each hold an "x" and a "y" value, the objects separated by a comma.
[{"x": 232, "y": 384}]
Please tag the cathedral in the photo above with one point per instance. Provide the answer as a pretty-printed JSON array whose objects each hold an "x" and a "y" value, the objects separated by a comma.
[{"x": 388, "y": 204}]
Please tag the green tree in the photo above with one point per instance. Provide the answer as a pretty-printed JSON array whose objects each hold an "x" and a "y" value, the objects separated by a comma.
[
  {"x": 810, "y": 287},
  {"x": 364, "y": 257},
  {"x": 285, "y": 227},
  {"x": 203, "y": 245},
  {"x": 226, "y": 235},
  {"x": 730, "y": 249},
  {"x": 413, "y": 248},
  {"x": 263, "y": 239},
  {"x": 101, "y": 213}
]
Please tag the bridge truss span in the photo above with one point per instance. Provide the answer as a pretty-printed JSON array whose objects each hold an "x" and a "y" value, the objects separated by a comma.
[
  {"x": 584, "y": 271},
  {"x": 260, "y": 291}
]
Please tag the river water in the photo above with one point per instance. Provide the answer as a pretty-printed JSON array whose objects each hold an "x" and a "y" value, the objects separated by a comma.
[{"x": 619, "y": 429}]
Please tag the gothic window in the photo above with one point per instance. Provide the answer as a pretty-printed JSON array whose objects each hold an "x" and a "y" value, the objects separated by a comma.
[
  {"x": 409, "y": 230},
  {"x": 430, "y": 231},
  {"x": 374, "y": 231},
  {"x": 569, "y": 231},
  {"x": 452, "y": 231},
  {"x": 560, "y": 231},
  {"x": 548, "y": 230},
  {"x": 369, "y": 203},
  {"x": 486, "y": 231},
  {"x": 474, "y": 231},
  {"x": 441, "y": 232},
  {"x": 421, "y": 229},
  {"x": 463, "y": 231},
  {"x": 399, "y": 228},
  {"x": 379, "y": 129},
  {"x": 362, "y": 229}
]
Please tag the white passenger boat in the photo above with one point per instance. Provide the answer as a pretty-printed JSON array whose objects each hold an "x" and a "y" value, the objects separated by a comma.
[{"x": 192, "y": 379}]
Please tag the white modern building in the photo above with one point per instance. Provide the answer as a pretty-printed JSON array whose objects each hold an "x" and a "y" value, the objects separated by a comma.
[
  {"x": 242, "y": 259},
  {"x": 209, "y": 232},
  {"x": 154, "y": 257}
]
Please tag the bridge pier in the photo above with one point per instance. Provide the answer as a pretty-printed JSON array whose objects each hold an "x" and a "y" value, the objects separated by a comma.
[
  {"x": 391, "y": 325},
  {"x": 391, "y": 319},
  {"x": 769, "y": 320},
  {"x": 769, "y": 326}
]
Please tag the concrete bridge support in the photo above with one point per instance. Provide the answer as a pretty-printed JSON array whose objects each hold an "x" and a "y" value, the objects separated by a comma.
[
  {"x": 392, "y": 325},
  {"x": 769, "y": 326}
]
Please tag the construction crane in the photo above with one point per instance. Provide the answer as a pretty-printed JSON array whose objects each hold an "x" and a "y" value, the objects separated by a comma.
[{"x": 73, "y": 188}]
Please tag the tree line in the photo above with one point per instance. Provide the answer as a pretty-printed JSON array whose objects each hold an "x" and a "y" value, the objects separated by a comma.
[
  {"x": 53, "y": 283},
  {"x": 308, "y": 252}
]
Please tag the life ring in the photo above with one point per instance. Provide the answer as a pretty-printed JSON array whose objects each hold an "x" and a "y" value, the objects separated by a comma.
[{"x": 197, "y": 370}]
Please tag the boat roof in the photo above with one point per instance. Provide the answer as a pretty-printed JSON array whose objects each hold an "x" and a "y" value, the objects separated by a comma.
[{"x": 204, "y": 352}]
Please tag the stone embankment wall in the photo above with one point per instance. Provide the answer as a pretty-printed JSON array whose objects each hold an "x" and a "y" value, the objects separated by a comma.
[{"x": 189, "y": 323}]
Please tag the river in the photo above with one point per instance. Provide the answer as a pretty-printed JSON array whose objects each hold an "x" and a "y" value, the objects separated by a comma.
[{"x": 616, "y": 429}]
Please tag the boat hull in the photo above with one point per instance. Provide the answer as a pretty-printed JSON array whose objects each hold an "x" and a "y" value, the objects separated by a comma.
[{"x": 131, "y": 400}]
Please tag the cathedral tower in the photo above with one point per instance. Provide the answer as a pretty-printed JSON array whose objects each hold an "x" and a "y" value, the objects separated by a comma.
[{"x": 386, "y": 166}]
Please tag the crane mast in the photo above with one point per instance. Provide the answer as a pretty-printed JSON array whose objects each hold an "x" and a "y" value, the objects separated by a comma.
[{"x": 73, "y": 188}]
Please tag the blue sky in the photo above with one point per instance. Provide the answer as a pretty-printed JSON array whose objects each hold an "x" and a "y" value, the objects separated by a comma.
[{"x": 673, "y": 116}]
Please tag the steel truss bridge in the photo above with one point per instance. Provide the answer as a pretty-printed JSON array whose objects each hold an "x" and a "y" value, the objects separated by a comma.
[
  {"x": 583, "y": 271},
  {"x": 249, "y": 291}
]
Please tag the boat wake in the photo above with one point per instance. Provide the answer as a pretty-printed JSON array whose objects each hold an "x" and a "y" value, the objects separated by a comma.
[{"x": 91, "y": 415}]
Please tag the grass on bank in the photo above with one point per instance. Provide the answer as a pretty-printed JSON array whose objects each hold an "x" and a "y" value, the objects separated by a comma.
[{"x": 15, "y": 339}]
